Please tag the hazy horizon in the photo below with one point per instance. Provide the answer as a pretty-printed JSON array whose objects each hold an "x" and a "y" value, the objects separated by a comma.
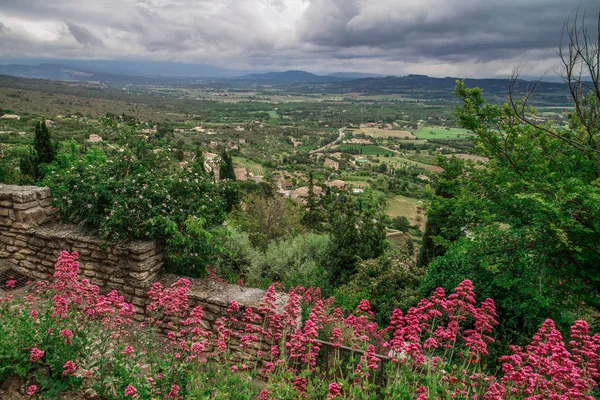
[{"x": 469, "y": 38}]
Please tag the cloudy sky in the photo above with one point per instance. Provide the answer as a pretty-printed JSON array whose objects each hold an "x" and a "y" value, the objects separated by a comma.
[{"x": 476, "y": 38}]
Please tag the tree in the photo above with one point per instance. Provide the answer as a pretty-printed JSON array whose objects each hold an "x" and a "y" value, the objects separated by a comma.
[
  {"x": 43, "y": 146},
  {"x": 268, "y": 218},
  {"x": 525, "y": 229},
  {"x": 354, "y": 237},
  {"x": 44, "y": 152},
  {"x": 314, "y": 215},
  {"x": 226, "y": 170},
  {"x": 401, "y": 223}
]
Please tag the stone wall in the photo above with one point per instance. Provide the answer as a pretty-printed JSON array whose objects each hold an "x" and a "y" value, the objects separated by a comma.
[{"x": 30, "y": 244}]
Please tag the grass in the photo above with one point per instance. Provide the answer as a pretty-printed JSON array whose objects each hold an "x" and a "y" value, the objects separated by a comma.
[
  {"x": 428, "y": 132},
  {"x": 367, "y": 150},
  {"x": 385, "y": 133},
  {"x": 408, "y": 207},
  {"x": 402, "y": 161},
  {"x": 273, "y": 114},
  {"x": 358, "y": 184},
  {"x": 254, "y": 168}
]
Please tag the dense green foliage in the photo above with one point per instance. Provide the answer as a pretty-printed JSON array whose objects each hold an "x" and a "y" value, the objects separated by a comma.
[
  {"x": 143, "y": 195},
  {"x": 530, "y": 220}
]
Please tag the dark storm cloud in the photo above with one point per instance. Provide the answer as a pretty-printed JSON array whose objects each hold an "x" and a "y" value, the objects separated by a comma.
[
  {"x": 485, "y": 30},
  {"x": 480, "y": 37},
  {"x": 82, "y": 35}
]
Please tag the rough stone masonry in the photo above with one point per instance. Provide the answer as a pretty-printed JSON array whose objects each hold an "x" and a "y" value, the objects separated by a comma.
[{"x": 30, "y": 244}]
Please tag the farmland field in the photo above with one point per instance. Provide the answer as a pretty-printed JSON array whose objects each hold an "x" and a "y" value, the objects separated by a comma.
[
  {"x": 252, "y": 167},
  {"x": 385, "y": 133},
  {"x": 406, "y": 206},
  {"x": 470, "y": 157},
  {"x": 400, "y": 161},
  {"x": 367, "y": 150},
  {"x": 427, "y": 132}
]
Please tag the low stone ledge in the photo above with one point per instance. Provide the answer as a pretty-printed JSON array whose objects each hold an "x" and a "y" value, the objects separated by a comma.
[{"x": 221, "y": 294}]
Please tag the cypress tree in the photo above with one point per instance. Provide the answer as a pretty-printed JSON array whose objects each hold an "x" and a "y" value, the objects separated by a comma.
[
  {"x": 226, "y": 168},
  {"x": 46, "y": 153}
]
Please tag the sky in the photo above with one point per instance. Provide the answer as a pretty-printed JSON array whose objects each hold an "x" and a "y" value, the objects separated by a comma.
[{"x": 471, "y": 38}]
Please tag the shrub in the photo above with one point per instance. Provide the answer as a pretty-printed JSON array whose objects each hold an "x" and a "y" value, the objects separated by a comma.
[{"x": 143, "y": 198}]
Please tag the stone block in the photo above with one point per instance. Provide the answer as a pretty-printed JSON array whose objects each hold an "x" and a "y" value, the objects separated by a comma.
[
  {"x": 89, "y": 273},
  {"x": 24, "y": 196},
  {"x": 47, "y": 263},
  {"x": 37, "y": 242},
  {"x": 20, "y": 243},
  {"x": 7, "y": 240},
  {"x": 6, "y": 203},
  {"x": 27, "y": 264},
  {"x": 4, "y": 212},
  {"x": 140, "y": 276},
  {"x": 114, "y": 279},
  {"x": 21, "y": 226},
  {"x": 98, "y": 255},
  {"x": 43, "y": 193},
  {"x": 142, "y": 247},
  {"x": 47, "y": 202},
  {"x": 4, "y": 254},
  {"x": 26, "y": 206},
  {"x": 138, "y": 302}
]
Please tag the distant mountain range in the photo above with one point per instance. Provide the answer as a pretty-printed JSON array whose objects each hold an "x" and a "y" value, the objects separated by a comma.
[
  {"x": 304, "y": 77},
  {"x": 411, "y": 86},
  {"x": 65, "y": 73}
]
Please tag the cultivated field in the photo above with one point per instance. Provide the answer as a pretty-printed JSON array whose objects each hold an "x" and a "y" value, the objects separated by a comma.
[
  {"x": 470, "y": 157},
  {"x": 400, "y": 161},
  {"x": 367, "y": 150},
  {"x": 408, "y": 207},
  {"x": 386, "y": 133},
  {"x": 428, "y": 132},
  {"x": 252, "y": 167}
]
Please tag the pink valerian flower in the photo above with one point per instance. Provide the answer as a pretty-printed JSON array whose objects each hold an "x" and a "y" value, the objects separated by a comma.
[
  {"x": 130, "y": 391},
  {"x": 34, "y": 313},
  {"x": 291, "y": 311},
  {"x": 264, "y": 395},
  {"x": 300, "y": 384},
  {"x": 174, "y": 393},
  {"x": 365, "y": 307},
  {"x": 69, "y": 368},
  {"x": 269, "y": 367},
  {"x": 334, "y": 390},
  {"x": 68, "y": 335},
  {"x": 31, "y": 390},
  {"x": 36, "y": 354},
  {"x": 422, "y": 392},
  {"x": 128, "y": 350},
  {"x": 546, "y": 369},
  {"x": 170, "y": 301},
  {"x": 233, "y": 307},
  {"x": 336, "y": 337},
  {"x": 368, "y": 362},
  {"x": 11, "y": 284}
]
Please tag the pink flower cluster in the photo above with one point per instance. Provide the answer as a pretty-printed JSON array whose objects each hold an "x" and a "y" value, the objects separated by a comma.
[{"x": 438, "y": 335}]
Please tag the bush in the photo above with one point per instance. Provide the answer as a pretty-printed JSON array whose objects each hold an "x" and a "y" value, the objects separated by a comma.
[
  {"x": 388, "y": 283},
  {"x": 145, "y": 198}
]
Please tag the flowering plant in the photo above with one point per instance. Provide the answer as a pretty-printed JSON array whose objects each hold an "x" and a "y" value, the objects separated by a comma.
[{"x": 66, "y": 336}]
